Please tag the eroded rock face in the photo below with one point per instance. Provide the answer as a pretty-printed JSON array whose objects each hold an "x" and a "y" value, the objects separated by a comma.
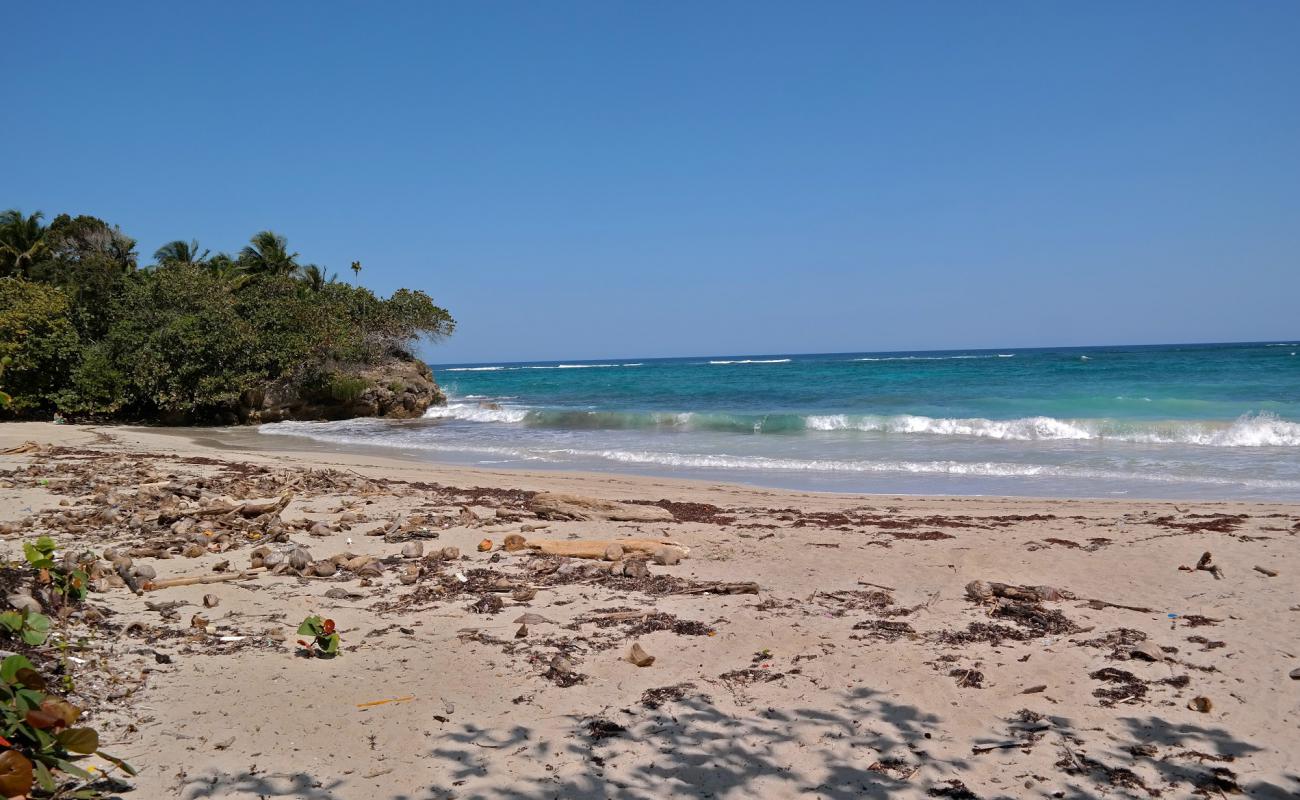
[{"x": 396, "y": 389}]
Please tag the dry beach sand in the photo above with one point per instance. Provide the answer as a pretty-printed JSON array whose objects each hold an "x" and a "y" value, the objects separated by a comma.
[{"x": 861, "y": 666}]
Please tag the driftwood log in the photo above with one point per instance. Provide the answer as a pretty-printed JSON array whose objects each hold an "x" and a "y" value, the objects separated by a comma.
[
  {"x": 590, "y": 548},
  {"x": 191, "y": 580},
  {"x": 549, "y": 505},
  {"x": 248, "y": 508}
]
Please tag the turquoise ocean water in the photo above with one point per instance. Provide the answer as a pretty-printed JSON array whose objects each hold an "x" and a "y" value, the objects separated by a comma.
[{"x": 1169, "y": 421}]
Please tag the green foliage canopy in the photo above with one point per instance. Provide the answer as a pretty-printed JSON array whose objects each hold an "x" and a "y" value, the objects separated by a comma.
[{"x": 87, "y": 333}]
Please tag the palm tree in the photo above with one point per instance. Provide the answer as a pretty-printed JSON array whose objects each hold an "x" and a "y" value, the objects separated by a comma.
[
  {"x": 181, "y": 252},
  {"x": 268, "y": 253},
  {"x": 356, "y": 270},
  {"x": 22, "y": 241},
  {"x": 227, "y": 270},
  {"x": 315, "y": 279}
]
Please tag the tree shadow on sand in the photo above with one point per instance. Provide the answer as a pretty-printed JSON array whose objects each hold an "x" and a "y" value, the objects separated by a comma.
[
  {"x": 866, "y": 745},
  {"x": 296, "y": 785},
  {"x": 698, "y": 750},
  {"x": 1153, "y": 755}
]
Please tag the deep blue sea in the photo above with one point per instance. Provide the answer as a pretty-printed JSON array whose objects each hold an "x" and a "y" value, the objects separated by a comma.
[{"x": 1167, "y": 421}]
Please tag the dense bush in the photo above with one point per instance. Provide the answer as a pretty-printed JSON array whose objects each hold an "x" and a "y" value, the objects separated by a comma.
[
  {"x": 88, "y": 333},
  {"x": 38, "y": 337}
]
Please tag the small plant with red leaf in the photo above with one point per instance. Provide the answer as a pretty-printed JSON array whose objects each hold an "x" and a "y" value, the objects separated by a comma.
[
  {"x": 324, "y": 642},
  {"x": 39, "y": 739}
]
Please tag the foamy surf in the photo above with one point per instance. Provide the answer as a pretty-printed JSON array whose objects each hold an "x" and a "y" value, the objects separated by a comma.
[{"x": 1254, "y": 430}]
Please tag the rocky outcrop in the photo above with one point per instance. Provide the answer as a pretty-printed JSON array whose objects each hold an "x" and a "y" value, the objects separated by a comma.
[{"x": 398, "y": 388}]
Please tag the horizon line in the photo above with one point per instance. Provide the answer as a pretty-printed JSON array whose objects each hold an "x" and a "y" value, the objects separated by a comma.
[{"x": 1265, "y": 342}]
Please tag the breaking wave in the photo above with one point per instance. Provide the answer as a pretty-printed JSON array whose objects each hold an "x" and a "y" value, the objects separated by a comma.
[{"x": 1257, "y": 430}]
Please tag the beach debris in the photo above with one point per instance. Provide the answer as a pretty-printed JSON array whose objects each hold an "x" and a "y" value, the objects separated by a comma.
[
  {"x": 667, "y": 556},
  {"x": 1295, "y": 674},
  {"x": 984, "y": 591},
  {"x": 413, "y": 550},
  {"x": 1201, "y": 704},
  {"x": 591, "y": 548},
  {"x": 373, "y": 703},
  {"x": 599, "y": 729},
  {"x": 1266, "y": 571},
  {"x": 211, "y": 601},
  {"x": 1205, "y": 564},
  {"x": 552, "y": 506},
  {"x": 521, "y": 632},
  {"x": 485, "y": 545},
  {"x": 20, "y": 449},
  {"x": 613, "y": 552},
  {"x": 718, "y": 587},
  {"x": 167, "y": 583},
  {"x": 523, "y": 594},
  {"x": 638, "y": 656},
  {"x": 1147, "y": 651}
]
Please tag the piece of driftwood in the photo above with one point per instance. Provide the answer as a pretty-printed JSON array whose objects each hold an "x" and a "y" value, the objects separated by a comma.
[
  {"x": 248, "y": 508},
  {"x": 1206, "y": 564},
  {"x": 619, "y": 616},
  {"x": 983, "y": 591},
  {"x": 1266, "y": 571},
  {"x": 721, "y": 588},
  {"x": 550, "y": 505},
  {"x": 191, "y": 580},
  {"x": 1100, "y": 605},
  {"x": 589, "y": 548}
]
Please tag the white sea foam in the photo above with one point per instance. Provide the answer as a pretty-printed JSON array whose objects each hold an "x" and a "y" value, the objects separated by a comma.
[
  {"x": 1251, "y": 430},
  {"x": 755, "y": 361},
  {"x": 472, "y": 369},
  {"x": 476, "y": 412},
  {"x": 991, "y": 469}
]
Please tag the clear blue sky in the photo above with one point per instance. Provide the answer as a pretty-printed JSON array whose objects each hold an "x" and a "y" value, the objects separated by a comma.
[{"x": 612, "y": 179}]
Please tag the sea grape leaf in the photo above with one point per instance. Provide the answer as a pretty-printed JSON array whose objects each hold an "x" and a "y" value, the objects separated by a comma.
[
  {"x": 15, "y": 774},
  {"x": 30, "y": 679},
  {"x": 79, "y": 740},
  {"x": 117, "y": 762},
  {"x": 10, "y": 666}
]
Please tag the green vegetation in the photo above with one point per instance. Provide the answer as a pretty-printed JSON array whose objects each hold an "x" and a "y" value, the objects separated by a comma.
[
  {"x": 86, "y": 332},
  {"x": 324, "y": 642},
  {"x": 40, "y": 740}
]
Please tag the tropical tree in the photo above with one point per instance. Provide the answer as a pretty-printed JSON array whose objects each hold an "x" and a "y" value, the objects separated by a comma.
[
  {"x": 315, "y": 279},
  {"x": 22, "y": 241},
  {"x": 356, "y": 270},
  {"x": 226, "y": 270},
  {"x": 181, "y": 252},
  {"x": 268, "y": 253},
  {"x": 89, "y": 259}
]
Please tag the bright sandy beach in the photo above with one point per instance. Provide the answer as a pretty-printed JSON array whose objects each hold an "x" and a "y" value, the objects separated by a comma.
[{"x": 859, "y": 664}]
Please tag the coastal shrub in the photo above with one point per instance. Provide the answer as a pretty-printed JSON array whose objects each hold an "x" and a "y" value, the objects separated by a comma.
[
  {"x": 41, "y": 738},
  {"x": 90, "y": 334},
  {"x": 40, "y": 341},
  {"x": 175, "y": 346},
  {"x": 346, "y": 389}
]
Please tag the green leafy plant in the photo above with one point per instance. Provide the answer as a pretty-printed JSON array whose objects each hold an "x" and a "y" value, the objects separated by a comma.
[
  {"x": 324, "y": 642},
  {"x": 31, "y": 627},
  {"x": 38, "y": 738},
  {"x": 69, "y": 584}
]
